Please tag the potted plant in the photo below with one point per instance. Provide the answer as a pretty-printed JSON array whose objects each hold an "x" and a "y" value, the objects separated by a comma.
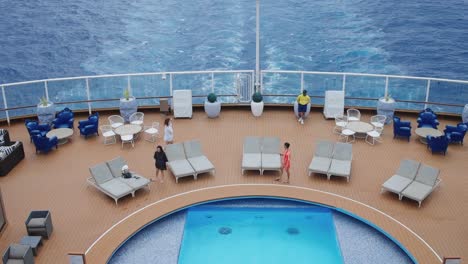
[
  {"x": 386, "y": 106},
  {"x": 257, "y": 104},
  {"x": 128, "y": 105},
  {"x": 212, "y": 106},
  {"x": 45, "y": 111}
]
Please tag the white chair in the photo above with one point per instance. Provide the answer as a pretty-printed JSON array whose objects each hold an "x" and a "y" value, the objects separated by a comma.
[
  {"x": 137, "y": 118},
  {"x": 127, "y": 138},
  {"x": 107, "y": 132},
  {"x": 334, "y": 104},
  {"x": 182, "y": 103},
  {"x": 346, "y": 134},
  {"x": 340, "y": 123},
  {"x": 378, "y": 120},
  {"x": 115, "y": 121},
  {"x": 152, "y": 132},
  {"x": 353, "y": 114},
  {"x": 375, "y": 135}
]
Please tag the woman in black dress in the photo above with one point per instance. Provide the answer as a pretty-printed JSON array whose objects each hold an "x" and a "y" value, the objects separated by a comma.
[{"x": 160, "y": 162}]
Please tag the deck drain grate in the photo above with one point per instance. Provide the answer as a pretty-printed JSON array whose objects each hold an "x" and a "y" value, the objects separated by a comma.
[
  {"x": 292, "y": 231},
  {"x": 225, "y": 230}
]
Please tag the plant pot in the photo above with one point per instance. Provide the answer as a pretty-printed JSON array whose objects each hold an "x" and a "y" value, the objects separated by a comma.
[
  {"x": 386, "y": 108},
  {"x": 46, "y": 113},
  {"x": 465, "y": 114},
  {"x": 128, "y": 107},
  {"x": 212, "y": 109},
  {"x": 257, "y": 108}
]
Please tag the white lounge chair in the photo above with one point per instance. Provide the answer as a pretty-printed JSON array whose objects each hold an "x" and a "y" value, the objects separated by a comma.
[
  {"x": 341, "y": 161},
  {"x": 103, "y": 180},
  {"x": 334, "y": 104},
  {"x": 403, "y": 177},
  {"x": 196, "y": 158},
  {"x": 182, "y": 103},
  {"x": 137, "y": 181},
  {"x": 424, "y": 183},
  {"x": 271, "y": 159},
  {"x": 178, "y": 163},
  {"x": 252, "y": 154},
  {"x": 322, "y": 157}
]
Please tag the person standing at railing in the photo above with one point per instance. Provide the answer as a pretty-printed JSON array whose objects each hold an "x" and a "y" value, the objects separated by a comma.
[
  {"x": 168, "y": 131},
  {"x": 302, "y": 100}
]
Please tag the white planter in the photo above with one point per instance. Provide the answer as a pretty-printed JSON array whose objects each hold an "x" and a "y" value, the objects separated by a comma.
[
  {"x": 386, "y": 108},
  {"x": 46, "y": 113},
  {"x": 128, "y": 107},
  {"x": 212, "y": 109},
  {"x": 257, "y": 108}
]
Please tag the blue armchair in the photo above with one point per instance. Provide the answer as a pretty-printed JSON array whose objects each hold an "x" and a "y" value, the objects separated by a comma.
[
  {"x": 64, "y": 119},
  {"x": 428, "y": 119},
  {"x": 35, "y": 129},
  {"x": 455, "y": 134},
  {"x": 401, "y": 128},
  {"x": 438, "y": 144},
  {"x": 90, "y": 126},
  {"x": 426, "y": 111},
  {"x": 44, "y": 144}
]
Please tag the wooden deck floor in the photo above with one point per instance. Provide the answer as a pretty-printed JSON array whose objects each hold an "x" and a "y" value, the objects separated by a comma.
[{"x": 81, "y": 214}]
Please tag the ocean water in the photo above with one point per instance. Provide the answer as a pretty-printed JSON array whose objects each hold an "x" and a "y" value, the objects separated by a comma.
[{"x": 51, "y": 38}]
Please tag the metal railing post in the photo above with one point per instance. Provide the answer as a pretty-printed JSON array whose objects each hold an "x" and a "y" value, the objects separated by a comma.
[
  {"x": 344, "y": 82},
  {"x": 302, "y": 81},
  {"x": 261, "y": 80},
  {"x": 46, "y": 90},
  {"x": 88, "y": 95},
  {"x": 170, "y": 83},
  {"x": 428, "y": 88},
  {"x": 5, "y": 105},
  {"x": 386, "y": 87},
  {"x": 212, "y": 82}
]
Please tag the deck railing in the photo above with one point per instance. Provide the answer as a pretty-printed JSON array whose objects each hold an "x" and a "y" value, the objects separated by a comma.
[{"x": 233, "y": 87}]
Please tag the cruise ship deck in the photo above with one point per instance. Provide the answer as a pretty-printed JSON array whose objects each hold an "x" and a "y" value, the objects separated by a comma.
[{"x": 86, "y": 220}]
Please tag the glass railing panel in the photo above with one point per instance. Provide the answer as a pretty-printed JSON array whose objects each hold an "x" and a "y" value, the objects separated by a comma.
[
  {"x": 226, "y": 84},
  {"x": 407, "y": 90},
  {"x": 199, "y": 83},
  {"x": 150, "y": 86},
  {"x": 448, "y": 93},
  {"x": 317, "y": 84},
  {"x": 68, "y": 91},
  {"x": 107, "y": 88},
  {"x": 281, "y": 84},
  {"x": 24, "y": 95},
  {"x": 367, "y": 87},
  {"x": 2, "y": 106}
]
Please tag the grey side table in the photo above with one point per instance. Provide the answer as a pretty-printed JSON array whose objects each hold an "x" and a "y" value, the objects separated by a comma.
[{"x": 33, "y": 241}]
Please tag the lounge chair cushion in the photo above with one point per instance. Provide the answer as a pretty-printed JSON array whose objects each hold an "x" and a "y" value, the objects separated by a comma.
[
  {"x": 181, "y": 168},
  {"x": 201, "y": 164},
  {"x": 320, "y": 164},
  {"x": 136, "y": 182},
  {"x": 252, "y": 145},
  {"x": 408, "y": 169},
  {"x": 15, "y": 261},
  {"x": 417, "y": 191},
  {"x": 251, "y": 161},
  {"x": 427, "y": 175},
  {"x": 271, "y": 145},
  {"x": 175, "y": 152},
  {"x": 18, "y": 251},
  {"x": 116, "y": 188},
  {"x": 271, "y": 161},
  {"x": 101, "y": 173},
  {"x": 340, "y": 168},
  {"x": 193, "y": 149},
  {"x": 36, "y": 222},
  {"x": 396, "y": 183},
  {"x": 343, "y": 151},
  {"x": 324, "y": 149},
  {"x": 116, "y": 165}
]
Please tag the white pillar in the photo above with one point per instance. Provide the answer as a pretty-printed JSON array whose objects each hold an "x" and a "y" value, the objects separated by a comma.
[{"x": 257, "y": 48}]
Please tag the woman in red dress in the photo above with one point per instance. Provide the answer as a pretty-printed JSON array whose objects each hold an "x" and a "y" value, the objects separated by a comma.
[{"x": 286, "y": 162}]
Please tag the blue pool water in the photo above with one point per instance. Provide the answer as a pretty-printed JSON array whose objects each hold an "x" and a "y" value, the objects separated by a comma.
[{"x": 259, "y": 235}]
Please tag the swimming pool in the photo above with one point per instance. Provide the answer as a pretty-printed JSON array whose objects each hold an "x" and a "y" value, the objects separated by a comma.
[{"x": 259, "y": 235}]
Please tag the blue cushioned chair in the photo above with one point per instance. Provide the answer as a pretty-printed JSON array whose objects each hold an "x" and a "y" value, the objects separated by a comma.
[
  {"x": 428, "y": 119},
  {"x": 438, "y": 144},
  {"x": 44, "y": 144},
  {"x": 426, "y": 110},
  {"x": 35, "y": 129},
  {"x": 401, "y": 128},
  {"x": 90, "y": 126},
  {"x": 64, "y": 119},
  {"x": 455, "y": 134}
]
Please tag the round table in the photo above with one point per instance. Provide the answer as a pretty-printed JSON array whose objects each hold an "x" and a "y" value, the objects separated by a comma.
[
  {"x": 361, "y": 128},
  {"x": 128, "y": 129},
  {"x": 423, "y": 132},
  {"x": 62, "y": 134}
]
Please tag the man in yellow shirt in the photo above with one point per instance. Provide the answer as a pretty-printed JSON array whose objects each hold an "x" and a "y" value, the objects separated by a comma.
[{"x": 302, "y": 100}]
